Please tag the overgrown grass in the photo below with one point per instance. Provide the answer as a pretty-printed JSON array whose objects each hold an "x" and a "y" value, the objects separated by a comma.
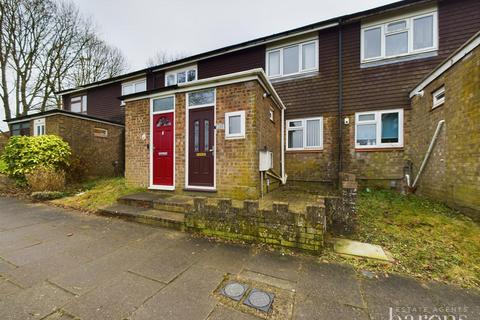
[
  {"x": 428, "y": 240},
  {"x": 96, "y": 194}
]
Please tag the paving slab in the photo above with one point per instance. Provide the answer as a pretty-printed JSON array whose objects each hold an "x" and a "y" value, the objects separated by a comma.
[
  {"x": 116, "y": 300},
  {"x": 221, "y": 313},
  {"x": 188, "y": 297},
  {"x": 395, "y": 291},
  {"x": 226, "y": 257},
  {"x": 336, "y": 282},
  {"x": 86, "y": 277},
  {"x": 360, "y": 249},
  {"x": 311, "y": 307},
  {"x": 168, "y": 264},
  {"x": 8, "y": 288},
  {"x": 6, "y": 266},
  {"x": 34, "y": 303},
  {"x": 275, "y": 265}
]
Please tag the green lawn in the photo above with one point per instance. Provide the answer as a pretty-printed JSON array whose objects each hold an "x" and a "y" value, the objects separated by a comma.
[
  {"x": 428, "y": 240},
  {"x": 96, "y": 194}
]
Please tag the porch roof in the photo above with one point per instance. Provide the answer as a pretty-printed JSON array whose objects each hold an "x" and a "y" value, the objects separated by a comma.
[{"x": 250, "y": 75}]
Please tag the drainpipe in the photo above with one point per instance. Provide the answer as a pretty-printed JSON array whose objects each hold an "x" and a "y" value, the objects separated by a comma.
[
  {"x": 340, "y": 97},
  {"x": 284, "y": 177},
  {"x": 429, "y": 151}
]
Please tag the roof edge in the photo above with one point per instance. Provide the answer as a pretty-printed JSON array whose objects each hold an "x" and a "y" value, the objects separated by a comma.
[
  {"x": 446, "y": 64},
  {"x": 53, "y": 112}
]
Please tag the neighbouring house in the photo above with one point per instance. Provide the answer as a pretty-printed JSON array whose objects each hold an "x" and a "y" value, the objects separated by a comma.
[
  {"x": 446, "y": 121},
  {"x": 344, "y": 83},
  {"x": 97, "y": 144}
]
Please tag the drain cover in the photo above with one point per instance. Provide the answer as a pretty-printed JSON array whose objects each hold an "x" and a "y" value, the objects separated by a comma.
[
  {"x": 234, "y": 290},
  {"x": 260, "y": 300}
]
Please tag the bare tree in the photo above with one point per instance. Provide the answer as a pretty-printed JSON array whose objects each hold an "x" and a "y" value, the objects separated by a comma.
[
  {"x": 162, "y": 56},
  {"x": 97, "y": 61},
  {"x": 45, "y": 46}
]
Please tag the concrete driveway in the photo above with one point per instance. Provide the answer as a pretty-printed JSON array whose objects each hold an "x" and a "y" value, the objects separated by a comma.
[{"x": 60, "y": 264}]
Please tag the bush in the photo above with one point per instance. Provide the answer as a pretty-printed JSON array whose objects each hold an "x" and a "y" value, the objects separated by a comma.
[
  {"x": 46, "y": 179},
  {"x": 47, "y": 195},
  {"x": 23, "y": 154}
]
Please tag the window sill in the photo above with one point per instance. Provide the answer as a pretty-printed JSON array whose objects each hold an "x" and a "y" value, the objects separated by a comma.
[
  {"x": 379, "y": 149},
  {"x": 317, "y": 150},
  {"x": 295, "y": 76},
  {"x": 409, "y": 57}
]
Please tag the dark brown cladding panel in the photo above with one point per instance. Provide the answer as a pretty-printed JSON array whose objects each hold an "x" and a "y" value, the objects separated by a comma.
[
  {"x": 237, "y": 61},
  {"x": 102, "y": 102},
  {"x": 155, "y": 80},
  {"x": 316, "y": 95},
  {"x": 388, "y": 86}
]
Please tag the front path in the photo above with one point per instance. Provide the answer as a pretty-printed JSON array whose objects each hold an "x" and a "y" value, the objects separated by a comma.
[{"x": 59, "y": 264}]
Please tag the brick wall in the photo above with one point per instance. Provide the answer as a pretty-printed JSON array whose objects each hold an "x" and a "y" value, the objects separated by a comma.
[
  {"x": 97, "y": 153},
  {"x": 237, "y": 174},
  {"x": 137, "y": 138},
  {"x": 376, "y": 167},
  {"x": 316, "y": 165},
  {"x": 453, "y": 170}
]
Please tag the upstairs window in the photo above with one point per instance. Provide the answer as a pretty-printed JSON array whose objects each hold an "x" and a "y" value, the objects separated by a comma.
[
  {"x": 438, "y": 97},
  {"x": 379, "y": 129},
  {"x": 78, "y": 104},
  {"x": 305, "y": 134},
  {"x": 400, "y": 37},
  {"x": 292, "y": 59},
  {"x": 134, "y": 86},
  {"x": 174, "y": 77}
]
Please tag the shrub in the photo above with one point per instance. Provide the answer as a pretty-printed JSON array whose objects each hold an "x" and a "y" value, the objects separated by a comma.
[
  {"x": 47, "y": 195},
  {"x": 77, "y": 170},
  {"x": 46, "y": 179},
  {"x": 22, "y": 154}
]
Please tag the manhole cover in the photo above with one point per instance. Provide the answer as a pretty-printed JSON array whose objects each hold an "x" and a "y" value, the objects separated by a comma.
[
  {"x": 234, "y": 290},
  {"x": 260, "y": 300}
]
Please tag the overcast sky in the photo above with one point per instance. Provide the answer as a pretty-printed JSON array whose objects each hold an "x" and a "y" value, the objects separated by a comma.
[{"x": 142, "y": 27}]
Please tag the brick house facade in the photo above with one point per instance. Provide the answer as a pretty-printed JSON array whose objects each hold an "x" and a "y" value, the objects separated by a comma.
[
  {"x": 236, "y": 160},
  {"x": 351, "y": 77},
  {"x": 453, "y": 168},
  {"x": 97, "y": 144}
]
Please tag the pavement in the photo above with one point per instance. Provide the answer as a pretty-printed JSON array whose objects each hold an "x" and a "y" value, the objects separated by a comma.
[{"x": 62, "y": 264}]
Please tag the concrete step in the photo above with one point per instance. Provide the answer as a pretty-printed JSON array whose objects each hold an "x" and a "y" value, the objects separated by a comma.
[
  {"x": 153, "y": 217},
  {"x": 159, "y": 201}
]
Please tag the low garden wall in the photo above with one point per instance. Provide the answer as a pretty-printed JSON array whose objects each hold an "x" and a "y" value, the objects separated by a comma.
[{"x": 278, "y": 226}]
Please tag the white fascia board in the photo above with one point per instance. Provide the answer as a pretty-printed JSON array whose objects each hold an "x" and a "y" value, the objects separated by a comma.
[{"x": 242, "y": 76}]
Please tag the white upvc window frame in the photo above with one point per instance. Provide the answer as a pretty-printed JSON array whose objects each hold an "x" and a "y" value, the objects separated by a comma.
[
  {"x": 280, "y": 49},
  {"x": 83, "y": 103},
  {"x": 174, "y": 73},
  {"x": 241, "y": 134},
  {"x": 437, "y": 102},
  {"x": 39, "y": 127},
  {"x": 378, "y": 122},
  {"x": 304, "y": 128},
  {"x": 409, "y": 19},
  {"x": 133, "y": 84}
]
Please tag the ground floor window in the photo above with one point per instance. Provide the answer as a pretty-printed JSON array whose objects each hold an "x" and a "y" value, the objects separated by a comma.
[
  {"x": 235, "y": 125},
  {"x": 20, "y": 129},
  {"x": 39, "y": 127},
  {"x": 379, "y": 129},
  {"x": 305, "y": 134}
]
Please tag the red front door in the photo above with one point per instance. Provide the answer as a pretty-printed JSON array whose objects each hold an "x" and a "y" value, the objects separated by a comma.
[
  {"x": 162, "y": 157},
  {"x": 200, "y": 147}
]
